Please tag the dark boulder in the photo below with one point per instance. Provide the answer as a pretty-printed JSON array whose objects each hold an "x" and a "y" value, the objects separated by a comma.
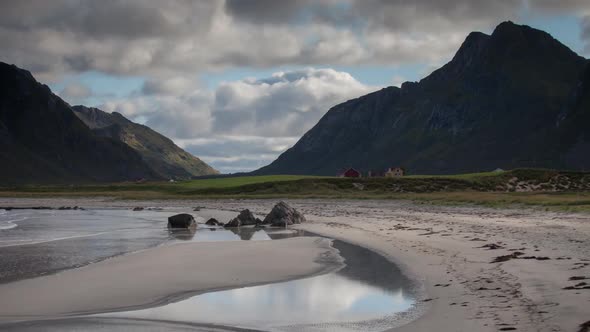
[
  {"x": 235, "y": 222},
  {"x": 282, "y": 214},
  {"x": 212, "y": 222},
  {"x": 138, "y": 208},
  {"x": 183, "y": 220},
  {"x": 245, "y": 218}
]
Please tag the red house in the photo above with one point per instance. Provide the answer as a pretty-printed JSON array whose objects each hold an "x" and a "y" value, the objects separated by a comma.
[{"x": 350, "y": 173}]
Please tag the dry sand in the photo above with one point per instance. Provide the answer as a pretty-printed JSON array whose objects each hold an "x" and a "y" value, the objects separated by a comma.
[
  {"x": 163, "y": 274},
  {"x": 448, "y": 249}
]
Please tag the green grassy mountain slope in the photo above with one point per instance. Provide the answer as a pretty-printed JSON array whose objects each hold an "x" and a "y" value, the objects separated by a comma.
[
  {"x": 515, "y": 98},
  {"x": 42, "y": 141},
  {"x": 165, "y": 157}
]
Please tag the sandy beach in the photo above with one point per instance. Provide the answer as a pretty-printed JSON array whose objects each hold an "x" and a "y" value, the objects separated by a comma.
[{"x": 482, "y": 269}]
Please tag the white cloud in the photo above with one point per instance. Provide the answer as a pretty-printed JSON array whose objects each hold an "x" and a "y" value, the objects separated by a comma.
[{"x": 286, "y": 104}]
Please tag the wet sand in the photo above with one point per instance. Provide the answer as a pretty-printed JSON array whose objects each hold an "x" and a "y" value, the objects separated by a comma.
[
  {"x": 482, "y": 269},
  {"x": 164, "y": 274}
]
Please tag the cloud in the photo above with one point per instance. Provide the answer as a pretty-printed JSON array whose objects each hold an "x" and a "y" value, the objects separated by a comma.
[
  {"x": 75, "y": 92},
  {"x": 278, "y": 12},
  {"x": 231, "y": 154},
  {"x": 586, "y": 33},
  {"x": 183, "y": 116},
  {"x": 172, "y": 86},
  {"x": 287, "y": 104},
  {"x": 168, "y": 39},
  {"x": 581, "y": 7}
]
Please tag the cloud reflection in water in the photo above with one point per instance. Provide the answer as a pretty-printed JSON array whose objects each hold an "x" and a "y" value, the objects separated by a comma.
[{"x": 328, "y": 298}]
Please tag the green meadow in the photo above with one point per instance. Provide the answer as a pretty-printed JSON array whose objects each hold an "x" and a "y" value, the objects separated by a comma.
[{"x": 547, "y": 189}]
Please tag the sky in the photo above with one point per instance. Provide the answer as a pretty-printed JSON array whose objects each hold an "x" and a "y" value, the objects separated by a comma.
[{"x": 237, "y": 82}]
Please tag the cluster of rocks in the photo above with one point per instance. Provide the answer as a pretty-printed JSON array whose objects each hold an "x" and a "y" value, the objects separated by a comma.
[
  {"x": 140, "y": 208},
  {"x": 281, "y": 215},
  {"x": 69, "y": 208}
]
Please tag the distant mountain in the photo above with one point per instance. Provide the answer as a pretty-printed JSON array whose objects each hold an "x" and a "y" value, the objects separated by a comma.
[
  {"x": 515, "y": 98},
  {"x": 43, "y": 141},
  {"x": 167, "y": 159}
]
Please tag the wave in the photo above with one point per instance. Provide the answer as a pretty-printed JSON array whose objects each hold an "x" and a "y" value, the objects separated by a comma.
[{"x": 7, "y": 225}]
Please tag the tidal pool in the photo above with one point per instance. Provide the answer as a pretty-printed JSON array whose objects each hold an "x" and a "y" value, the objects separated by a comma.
[{"x": 368, "y": 294}]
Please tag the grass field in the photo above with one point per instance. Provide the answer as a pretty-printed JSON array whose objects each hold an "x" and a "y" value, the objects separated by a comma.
[
  {"x": 555, "y": 190},
  {"x": 239, "y": 181}
]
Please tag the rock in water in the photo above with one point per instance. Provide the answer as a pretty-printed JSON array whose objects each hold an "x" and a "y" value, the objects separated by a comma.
[
  {"x": 138, "y": 208},
  {"x": 235, "y": 222},
  {"x": 212, "y": 222},
  {"x": 282, "y": 214},
  {"x": 245, "y": 218},
  {"x": 183, "y": 220}
]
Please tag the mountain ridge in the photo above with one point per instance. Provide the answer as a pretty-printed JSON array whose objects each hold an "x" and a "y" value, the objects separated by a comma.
[
  {"x": 42, "y": 141},
  {"x": 160, "y": 152}
]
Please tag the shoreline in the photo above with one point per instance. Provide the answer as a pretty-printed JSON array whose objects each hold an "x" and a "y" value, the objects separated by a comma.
[{"x": 451, "y": 251}]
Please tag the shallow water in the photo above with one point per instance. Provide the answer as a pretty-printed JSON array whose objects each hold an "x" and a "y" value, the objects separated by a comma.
[
  {"x": 38, "y": 242},
  {"x": 368, "y": 294}
]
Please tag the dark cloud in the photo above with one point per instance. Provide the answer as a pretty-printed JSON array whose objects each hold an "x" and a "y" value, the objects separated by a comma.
[
  {"x": 109, "y": 18},
  {"x": 168, "y": 38},
  {"x": 560, "y": 6},
  {"x": 268, "y": 11}
]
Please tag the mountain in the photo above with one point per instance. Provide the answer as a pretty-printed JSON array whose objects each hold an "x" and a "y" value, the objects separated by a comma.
[
  {"x": 167, "y": 159},
  {"x": 515, "y": 98},
  {"x": 43, "y": 141}
]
